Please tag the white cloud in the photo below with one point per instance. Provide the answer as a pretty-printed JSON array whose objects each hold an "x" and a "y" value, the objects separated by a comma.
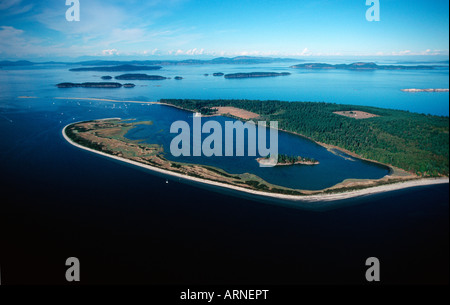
[
  {"x": 110, "y": 52},
  {"x": 305, "y": 52},
  {"x": 11, "y": 40},
  {"x": 195, "y": 51}
]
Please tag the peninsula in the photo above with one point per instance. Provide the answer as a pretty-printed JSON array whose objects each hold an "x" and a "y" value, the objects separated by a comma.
[
  {"x": 107, "y": 137},
  {"x": 360, "y": 66},
  {"x": 377, "y": 139}
]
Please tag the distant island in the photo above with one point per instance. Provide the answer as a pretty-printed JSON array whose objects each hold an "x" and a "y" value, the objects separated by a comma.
[
  {"x": 178, "y": 77},
  {"x": 218, "y": 74},
  {"x": 140, "y": 77},
  {"x": 256, "y": 74},
  {"x": 286, "y": 160},
  {"x": 94, "y": 85},
  {"x": 360, "y": 66},
  {"x": 425, "y": 90},
  {"x": 239, "y": 60},
  {"x": 120, "y": 68},
  {"x": 18, "y": 63},
  {"x": 106, "y": 77}
]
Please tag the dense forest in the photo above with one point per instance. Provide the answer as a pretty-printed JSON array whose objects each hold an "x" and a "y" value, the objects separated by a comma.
[{"x": 415, "y": 142}]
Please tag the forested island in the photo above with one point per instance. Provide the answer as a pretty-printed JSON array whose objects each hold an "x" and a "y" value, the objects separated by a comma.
[
  {"x": 361, "y": 66},
  {"x": 139, "y": 77},
  {"x": 93, "y": 85},
  {"x": 256, "y": 74},
  {"x": 119, "y": 68},
  {"x": 414, "y": 142},
  {"x": 286, "y": 160}
]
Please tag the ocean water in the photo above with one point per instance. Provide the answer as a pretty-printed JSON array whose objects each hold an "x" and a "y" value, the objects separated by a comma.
[{"x": 127, "y": 225}]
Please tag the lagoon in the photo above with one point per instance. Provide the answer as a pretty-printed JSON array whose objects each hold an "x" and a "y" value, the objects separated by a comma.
[{"x": 333, "y": 168}]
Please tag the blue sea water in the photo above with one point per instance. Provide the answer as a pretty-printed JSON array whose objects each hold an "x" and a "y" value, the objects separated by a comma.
[{"x": 128, "y": 226}]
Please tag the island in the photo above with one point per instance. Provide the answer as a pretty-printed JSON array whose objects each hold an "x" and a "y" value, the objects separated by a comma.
[
  {"x": 256, "y": 74},
  {"x": 90, "y": 85},
  {"x": 129, "y": 85},
  {"x": 119, "y": 68},
  {"x": 106, "y": 77},
  {"x": 218, "y": 74},
  {"x": 425, "y": 90},
  {"x": 110, "y": 65},
  {"x": 286, "y": 160},
  {"x": 139, "y": 77},
  {"x": 361, "y": 66},
  {"x": 178, "y": 77},
  {"x": 381, "y": 140}
]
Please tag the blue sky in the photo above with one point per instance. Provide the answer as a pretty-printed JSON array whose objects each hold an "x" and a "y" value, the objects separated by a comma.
[{"x": 212, "y": 28}]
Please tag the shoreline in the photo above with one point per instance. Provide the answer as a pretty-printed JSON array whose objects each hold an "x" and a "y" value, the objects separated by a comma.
[{"x": 295, "y": 198}]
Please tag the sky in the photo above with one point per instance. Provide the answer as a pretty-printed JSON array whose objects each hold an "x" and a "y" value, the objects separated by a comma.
[{"x": 212, "y": 28}]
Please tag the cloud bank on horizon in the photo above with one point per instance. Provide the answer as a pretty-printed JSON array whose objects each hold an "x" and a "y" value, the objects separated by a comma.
[{"x": 165, "y": 28}]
